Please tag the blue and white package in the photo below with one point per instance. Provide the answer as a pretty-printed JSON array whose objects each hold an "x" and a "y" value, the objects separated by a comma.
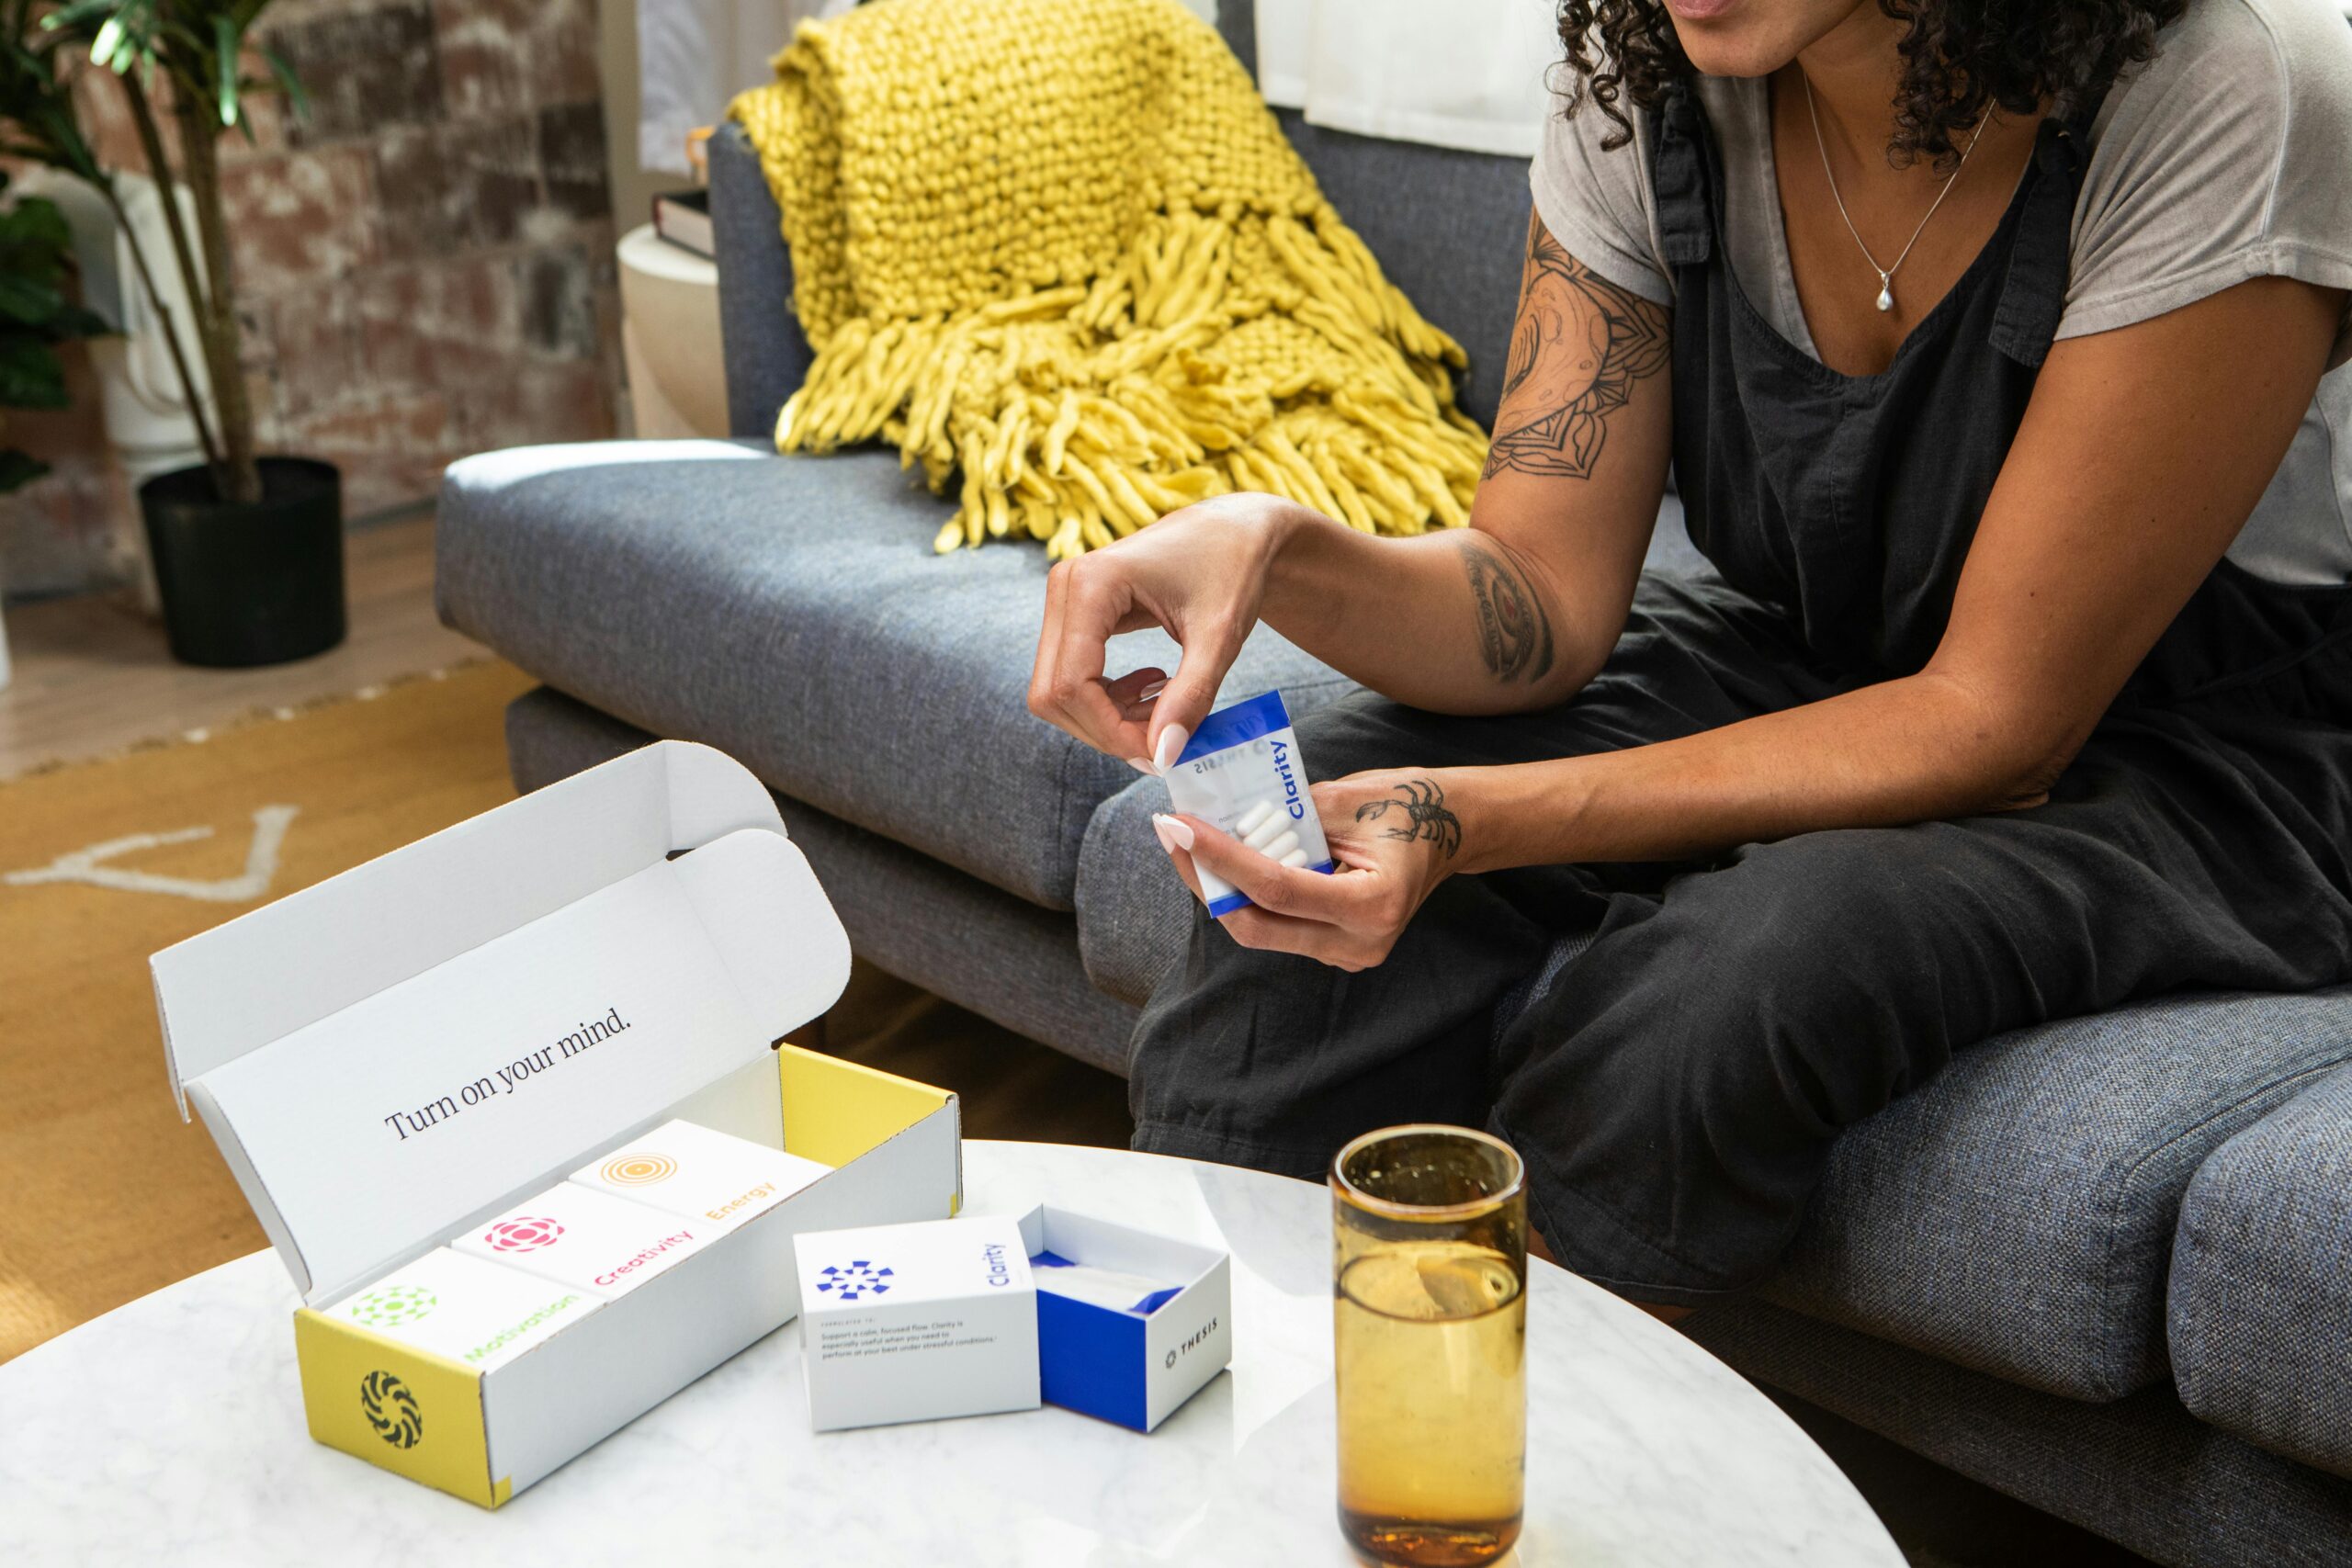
[{"x": 1241, "y": 772}]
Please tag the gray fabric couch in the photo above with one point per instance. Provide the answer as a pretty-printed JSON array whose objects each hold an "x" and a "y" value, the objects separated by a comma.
[{"x": 2105, "y": 1266}]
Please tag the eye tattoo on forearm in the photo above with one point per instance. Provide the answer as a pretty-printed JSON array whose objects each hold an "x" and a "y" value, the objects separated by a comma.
[
  {"x": 1578, "y": 347},
  {"x": 1514, "y": 632},
  {"x": 1420, "y": 805}
]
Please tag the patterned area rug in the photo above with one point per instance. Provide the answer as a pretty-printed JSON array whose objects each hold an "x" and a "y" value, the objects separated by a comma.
[
  {"x": 101, "y": 864},
  {"x": 109, "y": 1195}
]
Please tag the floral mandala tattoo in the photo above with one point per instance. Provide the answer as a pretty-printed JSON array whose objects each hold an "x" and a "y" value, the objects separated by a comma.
[{"x": 1579, "y": 345}]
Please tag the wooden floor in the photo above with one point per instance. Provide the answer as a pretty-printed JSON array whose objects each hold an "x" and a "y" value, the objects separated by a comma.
[{"x": 93, "y": 676}]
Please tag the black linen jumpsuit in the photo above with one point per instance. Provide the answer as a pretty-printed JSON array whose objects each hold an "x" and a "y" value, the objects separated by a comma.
[{"x": 1675, "y": 1085}]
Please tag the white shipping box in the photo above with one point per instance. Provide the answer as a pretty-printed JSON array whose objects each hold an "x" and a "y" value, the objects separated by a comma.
[
  {"x": 917, "y": 1323},
  {"x": 399, "y": 1056}
]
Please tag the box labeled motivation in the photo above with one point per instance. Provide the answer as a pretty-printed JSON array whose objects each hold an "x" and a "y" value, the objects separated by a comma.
[
  {"x": 395, "y": 1059},
  {"x": 917, "y": 1323},
  {"x": 463, "y": 1309},
  {"x": 1130, "y": 1324}
]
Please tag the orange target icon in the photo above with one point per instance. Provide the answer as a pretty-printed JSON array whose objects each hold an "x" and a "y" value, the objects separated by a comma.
[{"x": 638, "y": 1169}]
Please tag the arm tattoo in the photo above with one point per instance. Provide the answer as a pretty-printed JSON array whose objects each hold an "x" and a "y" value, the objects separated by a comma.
[
  {"x": 1579, "y": 345},
  {"x": 1421, "y": 810},
  {"x": 1514, "y": 632}
]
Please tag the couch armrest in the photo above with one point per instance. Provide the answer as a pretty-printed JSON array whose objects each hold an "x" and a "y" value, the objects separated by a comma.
[
  {"x": 2260, "y": 1303},
  {"x": 766, "y": 355}
]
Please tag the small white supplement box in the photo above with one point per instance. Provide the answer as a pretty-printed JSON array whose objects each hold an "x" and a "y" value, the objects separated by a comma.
[
  {"x": 395, "y": 1058},
  {"x": 917, "y": 1323},
  {"x": 1131, "y": 1367}
]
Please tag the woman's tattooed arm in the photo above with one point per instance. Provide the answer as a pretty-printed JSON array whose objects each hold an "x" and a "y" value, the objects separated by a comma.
[
  {"x": 1514, "y": 629},
  {"x": 1578, "y": 346}
]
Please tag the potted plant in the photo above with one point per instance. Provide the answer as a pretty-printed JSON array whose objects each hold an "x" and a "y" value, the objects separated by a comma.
[
  {"x": 247, "y": 549},
  {"x": 35, "y": 317}
]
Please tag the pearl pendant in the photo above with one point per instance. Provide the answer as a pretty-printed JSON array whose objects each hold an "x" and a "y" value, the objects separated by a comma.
[{"x": 1885, "y": 294}]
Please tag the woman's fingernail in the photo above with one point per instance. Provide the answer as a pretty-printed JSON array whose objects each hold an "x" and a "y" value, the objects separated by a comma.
[
  {"x": 1170, "y": 746},
  {"x": 1151, "y": 691},
  {"x": 1143, "y": 766},
  {"x": 1174, "y": 832}
]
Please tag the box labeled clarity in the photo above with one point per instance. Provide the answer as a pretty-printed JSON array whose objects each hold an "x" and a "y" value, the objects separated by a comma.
[
  {"x": 467, "y": 1309},
  {"x": 1241, "y": 771},
  {"x": 917, "y": 1322},
  {"x": 1130, "y": 1324},
  {"x": 704, "y": 1175}
]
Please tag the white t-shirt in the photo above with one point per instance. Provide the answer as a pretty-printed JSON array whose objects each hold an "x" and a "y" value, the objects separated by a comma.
[{"x": 2228, "y": 156}]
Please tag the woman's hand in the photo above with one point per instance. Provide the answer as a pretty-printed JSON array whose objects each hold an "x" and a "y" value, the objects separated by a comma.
[
  {"x": 1393, "y": 839},
  {"x": 1200, "y": 575}
]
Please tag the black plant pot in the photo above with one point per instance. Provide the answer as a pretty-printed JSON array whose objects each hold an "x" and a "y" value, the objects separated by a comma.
[{"x": 243, "y": 585}]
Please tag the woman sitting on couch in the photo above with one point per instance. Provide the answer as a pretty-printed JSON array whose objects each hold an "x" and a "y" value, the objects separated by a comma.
[{"x": 1992, "y": 348}]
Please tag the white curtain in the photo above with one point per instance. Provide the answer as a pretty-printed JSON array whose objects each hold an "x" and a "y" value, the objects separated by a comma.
[
  {"x": 1467, "y": 73},
  {"x": 694, "y": 55}
]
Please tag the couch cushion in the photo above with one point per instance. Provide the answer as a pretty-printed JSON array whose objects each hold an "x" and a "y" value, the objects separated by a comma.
[
  {"x": 2260, "y": 1310},
  {"x": 790, "y": 611},
  {"x": 2016, "y": 1215}
]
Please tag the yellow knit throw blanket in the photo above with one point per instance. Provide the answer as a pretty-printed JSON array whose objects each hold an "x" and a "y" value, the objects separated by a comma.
[{"x": 1062, "y": 248}]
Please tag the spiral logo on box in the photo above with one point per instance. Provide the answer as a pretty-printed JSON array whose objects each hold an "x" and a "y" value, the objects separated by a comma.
[
  {"x": 391, "y": 1410},
  {"x": 638, "y": 1169},
  {"x": 527, "y": 1235},
  {"x": 394, "y": 1305}
]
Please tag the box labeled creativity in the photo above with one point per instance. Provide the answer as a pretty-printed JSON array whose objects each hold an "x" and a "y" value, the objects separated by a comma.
[{"x": 508, "y": 1103}]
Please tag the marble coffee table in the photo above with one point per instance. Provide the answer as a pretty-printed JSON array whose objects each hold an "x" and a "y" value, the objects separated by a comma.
[{"x": 171, "y": 1430}]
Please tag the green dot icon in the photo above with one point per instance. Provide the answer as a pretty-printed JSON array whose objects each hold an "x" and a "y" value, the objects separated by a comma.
[{"x": 393, "y": 1306}]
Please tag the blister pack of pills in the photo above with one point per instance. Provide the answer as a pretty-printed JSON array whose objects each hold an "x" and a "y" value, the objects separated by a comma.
[{"x": 1241, "y": 771}]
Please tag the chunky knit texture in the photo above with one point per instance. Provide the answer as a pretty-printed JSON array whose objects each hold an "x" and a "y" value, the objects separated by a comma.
[{"x": 1061, "y": 248}]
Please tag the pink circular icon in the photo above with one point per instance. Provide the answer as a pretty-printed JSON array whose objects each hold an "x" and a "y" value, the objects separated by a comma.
[{"x": 525, "y": 1234}]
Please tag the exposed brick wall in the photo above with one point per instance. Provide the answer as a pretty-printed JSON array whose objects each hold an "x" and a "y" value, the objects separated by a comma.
[{"x": 424, "y": 266}]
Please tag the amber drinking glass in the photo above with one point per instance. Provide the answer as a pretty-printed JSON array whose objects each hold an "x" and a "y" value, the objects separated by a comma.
[{"x": 1428, "y": 1257}]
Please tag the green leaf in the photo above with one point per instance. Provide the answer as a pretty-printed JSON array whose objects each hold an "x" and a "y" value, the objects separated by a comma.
[
  {"x": 224, "y": 64},
  {"x": 36, "y": 221},
  {"x": 28, "y": 301},
  {"x": 31, "y": 374},
  {"x": 297, "y": 97}
]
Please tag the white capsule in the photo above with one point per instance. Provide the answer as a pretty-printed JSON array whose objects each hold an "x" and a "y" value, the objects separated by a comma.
[
  {"x": 1252, "y": 818},
  {"x": 1272, "y": 827},
  {"x": 1278, "y": 847},
  {"x": 1296, "y": 857}
]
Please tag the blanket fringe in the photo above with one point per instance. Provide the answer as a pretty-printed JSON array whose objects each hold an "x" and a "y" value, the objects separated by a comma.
[{"x": 1192, "y": 367}]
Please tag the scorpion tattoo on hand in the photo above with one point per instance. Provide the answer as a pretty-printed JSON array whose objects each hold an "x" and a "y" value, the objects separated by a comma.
[{"x": 1422, "y": 803}]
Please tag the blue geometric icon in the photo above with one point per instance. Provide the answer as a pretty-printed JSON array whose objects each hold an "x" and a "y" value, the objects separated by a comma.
[{"x": 861, "y": 1278}]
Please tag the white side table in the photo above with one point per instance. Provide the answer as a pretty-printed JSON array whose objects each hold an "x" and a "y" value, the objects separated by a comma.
[{"x": 171, "y": 1430}]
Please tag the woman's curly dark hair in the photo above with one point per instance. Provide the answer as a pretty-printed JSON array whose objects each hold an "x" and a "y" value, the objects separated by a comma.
[{"x": 1960, "y": 57}]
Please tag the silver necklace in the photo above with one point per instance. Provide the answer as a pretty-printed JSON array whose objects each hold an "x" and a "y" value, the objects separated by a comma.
[{"x": 1885, "y": 273}]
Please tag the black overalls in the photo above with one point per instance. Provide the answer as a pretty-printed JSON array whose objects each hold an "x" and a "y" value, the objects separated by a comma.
[{"x": 1675, "y": 1084}]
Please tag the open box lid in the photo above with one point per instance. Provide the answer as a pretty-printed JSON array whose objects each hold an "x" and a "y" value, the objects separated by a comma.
[{"x": 383, "y": 1054}]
